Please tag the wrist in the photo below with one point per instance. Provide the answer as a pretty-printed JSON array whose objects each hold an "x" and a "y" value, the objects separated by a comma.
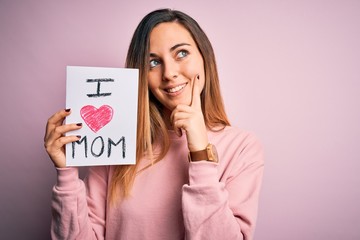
[{"x": 209, "y": 153}]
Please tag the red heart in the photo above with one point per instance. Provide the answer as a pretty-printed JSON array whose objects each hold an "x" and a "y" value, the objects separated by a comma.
[{"x": 96, "y": 118}]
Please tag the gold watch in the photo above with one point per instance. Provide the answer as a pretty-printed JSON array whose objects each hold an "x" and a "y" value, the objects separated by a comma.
[{"x": 208, "y": 154}]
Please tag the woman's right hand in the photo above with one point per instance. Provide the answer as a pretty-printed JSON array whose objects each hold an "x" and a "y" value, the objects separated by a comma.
[{"x": 55, "y": 139}]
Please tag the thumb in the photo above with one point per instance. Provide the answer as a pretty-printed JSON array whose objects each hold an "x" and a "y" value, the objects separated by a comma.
[{"x": 195, "y": 99}]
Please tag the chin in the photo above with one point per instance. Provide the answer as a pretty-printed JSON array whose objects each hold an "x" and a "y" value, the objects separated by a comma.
[{"x": 172, "y": 104}]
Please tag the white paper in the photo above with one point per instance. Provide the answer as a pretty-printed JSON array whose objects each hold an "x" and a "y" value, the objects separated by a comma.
[{"x": 105, "y": 101}]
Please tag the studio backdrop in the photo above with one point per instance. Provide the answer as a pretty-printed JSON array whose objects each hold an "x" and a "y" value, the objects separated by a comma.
[{"x": 289, "y": 72}]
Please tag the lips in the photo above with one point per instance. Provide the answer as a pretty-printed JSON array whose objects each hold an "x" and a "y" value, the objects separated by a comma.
[{"x": 176, "y": 88}]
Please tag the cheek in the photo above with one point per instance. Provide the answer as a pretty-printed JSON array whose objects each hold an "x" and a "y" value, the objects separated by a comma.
[
  {"x": 153, "y": 81},
  {"x": 154, "y": 91},
  {"x": 193, "y": 68},
  {"x": 151, "y": 85}
]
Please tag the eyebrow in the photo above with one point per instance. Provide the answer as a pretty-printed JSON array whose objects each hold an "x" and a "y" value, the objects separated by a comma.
[
  {"x": 172, "y": 48},
  {"x": 178, "y": 45}
]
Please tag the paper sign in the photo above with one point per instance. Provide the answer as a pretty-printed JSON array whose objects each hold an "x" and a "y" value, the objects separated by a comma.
[{"x": 104, "y": 100}]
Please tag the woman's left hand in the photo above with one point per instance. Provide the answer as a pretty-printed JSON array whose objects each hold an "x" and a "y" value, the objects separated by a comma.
[{"x": 191, "y": 119}]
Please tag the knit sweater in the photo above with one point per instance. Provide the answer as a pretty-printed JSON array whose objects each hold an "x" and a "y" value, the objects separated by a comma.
[{"x": 171, "y": 200}]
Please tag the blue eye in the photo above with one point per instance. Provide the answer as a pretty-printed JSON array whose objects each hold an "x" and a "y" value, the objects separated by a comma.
[
  {"x": 182, "y": 54},
  {"x": 154, "y": 63}
]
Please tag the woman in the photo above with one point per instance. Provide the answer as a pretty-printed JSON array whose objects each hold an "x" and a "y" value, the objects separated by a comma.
[{"x": 195, "y": 177}]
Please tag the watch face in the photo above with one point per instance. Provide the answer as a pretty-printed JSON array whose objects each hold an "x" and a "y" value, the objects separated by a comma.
[{"x": 213, "y": 155}]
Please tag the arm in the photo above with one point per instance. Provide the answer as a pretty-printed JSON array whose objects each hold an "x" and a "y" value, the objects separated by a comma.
[
  {"x": 214, "y": 209},
  {"x": 225, "y": 209},
  {"x": 78, "y": 212}
]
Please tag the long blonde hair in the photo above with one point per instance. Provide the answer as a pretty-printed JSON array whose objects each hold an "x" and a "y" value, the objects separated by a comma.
[{"x": 151, "y": 127}]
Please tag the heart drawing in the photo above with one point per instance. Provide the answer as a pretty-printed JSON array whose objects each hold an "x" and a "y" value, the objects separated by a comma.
[{"x": 96, "y": 118}]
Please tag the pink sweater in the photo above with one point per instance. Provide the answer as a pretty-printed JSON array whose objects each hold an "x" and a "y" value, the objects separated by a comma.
[{"x": 171, "y": 200}]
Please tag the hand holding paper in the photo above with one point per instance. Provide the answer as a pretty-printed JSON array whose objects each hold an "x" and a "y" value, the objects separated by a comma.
[{"x": 55, "y": 140}]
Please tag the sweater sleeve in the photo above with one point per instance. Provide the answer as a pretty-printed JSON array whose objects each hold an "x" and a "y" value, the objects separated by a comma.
[
  {"x": 77, "y": 212},
  {"x": 225, "y": 208}
]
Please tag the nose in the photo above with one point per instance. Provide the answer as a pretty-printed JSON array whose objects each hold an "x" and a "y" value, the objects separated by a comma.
[{"x": 170, "y": 70}]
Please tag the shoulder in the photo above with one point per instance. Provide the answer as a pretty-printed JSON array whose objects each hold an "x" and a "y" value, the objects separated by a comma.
[
  {"x": 237, "y": 146},
  {"x": 234, "y": 136}
]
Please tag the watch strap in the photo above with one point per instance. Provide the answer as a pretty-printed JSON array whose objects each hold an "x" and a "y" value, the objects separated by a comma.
[
  {"x": 208, "y": 154},
  {"x": 198, "y": 155}
]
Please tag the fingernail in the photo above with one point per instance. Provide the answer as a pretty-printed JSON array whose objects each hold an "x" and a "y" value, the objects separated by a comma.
[
  {"x": 79, "y": 124},
  {"x": 67, "y": 110},
  {"x": 78, "y": 136}
]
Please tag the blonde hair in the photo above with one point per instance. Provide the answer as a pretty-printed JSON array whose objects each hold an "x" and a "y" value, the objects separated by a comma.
[{"x": 151, "y": 127}]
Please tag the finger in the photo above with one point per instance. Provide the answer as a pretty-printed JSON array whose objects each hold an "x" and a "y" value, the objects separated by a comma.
[
  {"x": 172, "y": 118},
  {"x": 181, "y": 115},
  {"x": 195, "y": 99},
  {"x": 179, "y": 120},
  {"x": 178, "y": 131},
  {"x": 180, "y": 112},
  {"x": 65, "y": 140},
  {"x": 56, "y": 150},
  {"x": 180, "y": 108},
  {"x": 59, "y": 116},
  {"x": 56, "y": 120},
  {"x": 179, "y": 125},
  {"x": 60, "y": 142},
  {"x": 59, "y": 131},
  {"x": 178, "y": 128}
]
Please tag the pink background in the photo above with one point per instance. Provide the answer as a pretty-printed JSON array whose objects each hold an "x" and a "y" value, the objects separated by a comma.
[{"x": 289, "y": 72}]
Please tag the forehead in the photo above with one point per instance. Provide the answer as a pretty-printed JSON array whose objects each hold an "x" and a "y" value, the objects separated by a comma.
[{"x": 169, "y": 34}]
